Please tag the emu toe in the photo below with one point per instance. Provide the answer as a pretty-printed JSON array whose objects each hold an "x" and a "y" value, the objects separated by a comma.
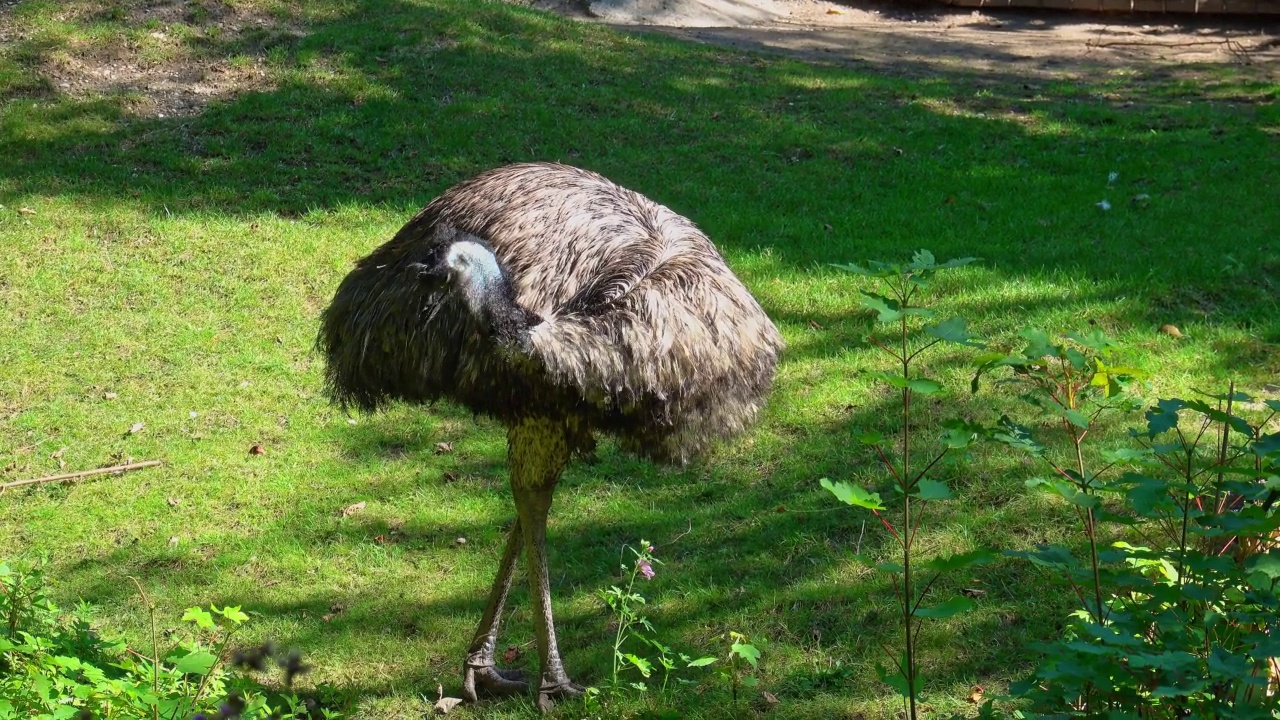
[
  {"x": 553, "y": 689},
  {"x": 487, "y": 678}
]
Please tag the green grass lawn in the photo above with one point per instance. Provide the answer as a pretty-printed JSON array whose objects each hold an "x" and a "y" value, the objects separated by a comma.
[{"x": 177, "y": 265}]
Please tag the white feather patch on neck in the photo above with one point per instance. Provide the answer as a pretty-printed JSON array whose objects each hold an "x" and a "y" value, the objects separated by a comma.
[{"x": 475, "y": 270}]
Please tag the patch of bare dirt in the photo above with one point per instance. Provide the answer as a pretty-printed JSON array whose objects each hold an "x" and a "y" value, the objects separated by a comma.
[
  {"x": 166, "y": 61},
  {"x": 928, "y": 37}
]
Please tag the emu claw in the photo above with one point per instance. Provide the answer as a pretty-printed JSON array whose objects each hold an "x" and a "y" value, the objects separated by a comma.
[
  {"x": 556, "y": 689},
  {"x": 492, "y": 680}
]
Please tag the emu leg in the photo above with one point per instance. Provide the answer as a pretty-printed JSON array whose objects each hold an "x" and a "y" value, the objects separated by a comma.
[
  {"x": 479, "y": 669},
  {"x": 538, "y": 451}
]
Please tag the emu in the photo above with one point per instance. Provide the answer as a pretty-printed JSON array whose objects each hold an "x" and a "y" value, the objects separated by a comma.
[{"x": 564, "y": 306}]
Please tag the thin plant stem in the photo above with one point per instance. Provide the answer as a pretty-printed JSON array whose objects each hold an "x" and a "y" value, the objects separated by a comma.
[{"x": 155, "y": 648}]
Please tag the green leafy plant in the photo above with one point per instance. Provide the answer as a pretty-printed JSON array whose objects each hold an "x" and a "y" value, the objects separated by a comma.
[
  {"x": 1075, "y": 383},
  {"x": 1179, "y": 608},
  {"x": 741, "y": 654},
  {"x": 912, "y": 478},
  {"x": 56, "y": 667},
  {"x": 634, "y": 628}
]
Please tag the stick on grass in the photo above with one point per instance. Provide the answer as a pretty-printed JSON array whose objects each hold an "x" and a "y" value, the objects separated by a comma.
[{"x": 80, "y": 474}]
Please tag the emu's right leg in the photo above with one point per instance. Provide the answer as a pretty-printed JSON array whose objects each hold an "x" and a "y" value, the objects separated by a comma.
[{"x": 479, "y": 669}]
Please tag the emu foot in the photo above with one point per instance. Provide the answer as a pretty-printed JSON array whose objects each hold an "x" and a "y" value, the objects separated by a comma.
[
  {"x": 553, "y": 689},
  {"x": 479, "y": 674}
]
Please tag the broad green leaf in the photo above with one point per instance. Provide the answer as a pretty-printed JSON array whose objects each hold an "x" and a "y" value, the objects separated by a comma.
[
  {"x": 701, "y": 662},
  {"x": 893, "y": 679},
  {"x": 927, "y": 489},
  {"x": 953, "y": 331},
  {"x": 1052, "y": 556},
  {"x": 960, "y": 434},
  {"x": 200, "y": 617},
  {"x": 1016, "y": 436},
  {"x": 1118, "y": 455},
  {"x": 232, "y": 613},
  {"x": 1095, "y": 340},
  {"x": 1074, "y": 356},
  {"x": 644, "y": 666},
  {"x": 853, "y": 268},
  {"x": 1267, "y": 563},
  {"x": 1077, "y": 418},
  {"x": 1164, "y": 416},
  {"x": 747, "y": 652},
  {"x": 1266, "y": 445},
  {"x": 991, "y": 361},
  {"x": 954, "y": 606},
  {"x": 1038, "y": 344},
  {"x": 196, "y": 663},
  {"x": 870, "y": 438},
  {"x": 950, "y": 563},
  {"x": 887, "y": 309},
  {"x": 1068, "y": 491},
  {"x": 853, "y": 495},
  {"x": 1236, "y": 423},
  {"x": 924, "y": 386},
  {"x": 890, "y": 567}
]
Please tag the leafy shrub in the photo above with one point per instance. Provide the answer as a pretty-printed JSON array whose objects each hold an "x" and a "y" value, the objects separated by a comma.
[
  {"x": 1185, "y": 620},
  {"x": 53, "y": 666}
]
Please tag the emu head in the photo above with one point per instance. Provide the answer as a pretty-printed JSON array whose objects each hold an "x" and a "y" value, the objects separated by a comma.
[{"x": 473, "y": 269}]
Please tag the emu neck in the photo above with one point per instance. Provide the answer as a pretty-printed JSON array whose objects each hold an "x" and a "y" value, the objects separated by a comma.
[{"x": 488, "y": 294}]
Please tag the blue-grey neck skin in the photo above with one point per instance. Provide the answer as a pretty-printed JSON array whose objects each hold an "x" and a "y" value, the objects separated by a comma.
[{"x": 475, "y": 272}]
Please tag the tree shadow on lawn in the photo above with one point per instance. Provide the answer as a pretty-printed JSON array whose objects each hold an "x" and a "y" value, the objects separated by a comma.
[{"x": 815, "y": 164}]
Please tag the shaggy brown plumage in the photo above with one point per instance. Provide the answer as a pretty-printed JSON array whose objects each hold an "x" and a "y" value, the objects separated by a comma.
[{"x": 548, "y": 297}]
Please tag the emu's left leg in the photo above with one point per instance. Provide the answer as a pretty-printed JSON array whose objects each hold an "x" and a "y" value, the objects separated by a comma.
[
  {"x": 479, "y": 668},
  {"x": 538, "y": 451}
]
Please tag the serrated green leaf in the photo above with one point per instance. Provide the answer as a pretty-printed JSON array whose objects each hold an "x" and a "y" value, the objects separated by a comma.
[
  {"x": 1038, "y": 344},
  {"x": 1077, "y": 418},
  {"x": 1095, "y": 340},
  {"x": 893, "y": 679},
  {"x": 1266, "y": 445},
  {"x": 927, "y": 489},
  {"x": 232, "y": 613},
  {"x": 853, "y": 495},
  {"x": 1016, "y": 436},
  {"x": 958, "y": 561},
  {"x": 1164, "y": 416},
  {"x": 1267, "y": 563},
  {"x": 747, "y": 652},
  {"x": 954, "y": 606},
  {"x": 1053, "y": 556},
  {"x": 887, "y": 309},
  {"x": 924, "y": 386},
  {"x": 195, "y": 663},
  {"x": 701, "y": 662},
  {"x": 960, "y": 434},
  {"x": 853, "y": 268},
  {"x": 870, "y": 438},
  {"x": 954, "y": 331},
  {"x": 200, "y": 617}
]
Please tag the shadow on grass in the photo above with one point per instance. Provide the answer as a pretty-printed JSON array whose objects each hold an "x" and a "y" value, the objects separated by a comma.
[
  {"x": 387, "y": 103},
  {"x": 771, "y": 557}
]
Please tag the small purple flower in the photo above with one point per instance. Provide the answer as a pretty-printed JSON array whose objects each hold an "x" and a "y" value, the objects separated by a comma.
[{"x": 645, "y": 569}]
